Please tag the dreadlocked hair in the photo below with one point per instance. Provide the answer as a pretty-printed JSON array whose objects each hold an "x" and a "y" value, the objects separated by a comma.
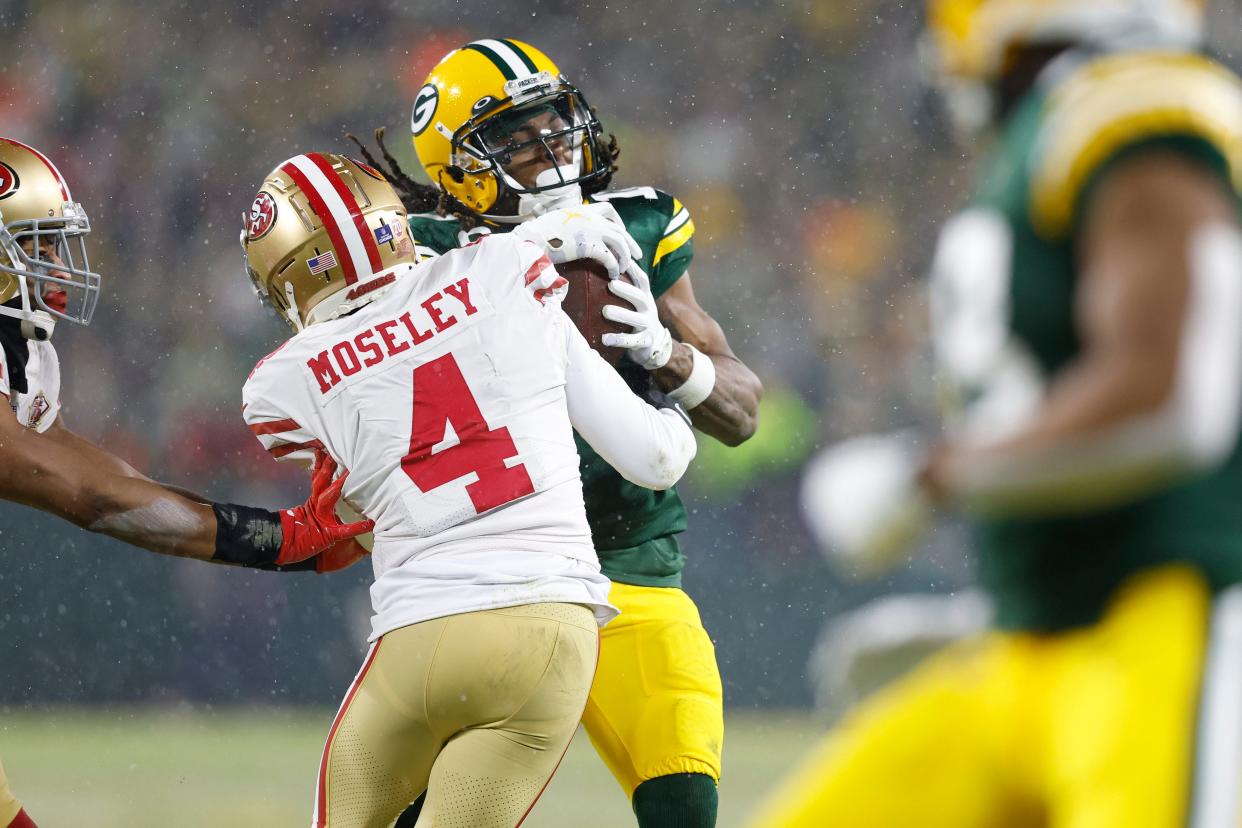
[
  {"x": 416, "y": 197},
  {"x": 611, "y": 152}
]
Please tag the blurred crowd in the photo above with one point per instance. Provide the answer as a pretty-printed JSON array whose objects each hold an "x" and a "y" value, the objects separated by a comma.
[{"x": 803, "y": 135}]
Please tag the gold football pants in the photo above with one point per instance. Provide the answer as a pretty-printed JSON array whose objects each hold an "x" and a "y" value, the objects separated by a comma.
[
  {"x": 9, "y": 806},
  {"x": 1091, "y": 728},
  {"x": 477, "y": 709},
  {"x": 656, "y": 707}
]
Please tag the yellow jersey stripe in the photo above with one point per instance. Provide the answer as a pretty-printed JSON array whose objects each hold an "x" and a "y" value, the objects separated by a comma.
[{"x": 674, "y": 240}]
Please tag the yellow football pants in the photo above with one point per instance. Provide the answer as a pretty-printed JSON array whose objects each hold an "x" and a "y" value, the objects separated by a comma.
[
  {"x": 9, "y": 806},
  {"x": 1092, "y": 728},
  {"x": 657, "y": 705},
  {"x": 477, "y": 709}
]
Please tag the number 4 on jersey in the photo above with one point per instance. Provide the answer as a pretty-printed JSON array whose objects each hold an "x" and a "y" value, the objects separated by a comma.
[{"x": 441, "y": 395}]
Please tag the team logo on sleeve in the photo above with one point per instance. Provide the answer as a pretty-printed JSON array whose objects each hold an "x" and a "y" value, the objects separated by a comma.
[
  {"x": 9, "y": 182},
  {"x": 424, "y": 108},
  {"x": 262, "y": 216}
]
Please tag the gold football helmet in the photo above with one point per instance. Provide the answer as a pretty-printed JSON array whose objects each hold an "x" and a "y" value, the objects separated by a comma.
[
  {"x": 44, "y": 270},
  {"x": 325, "y": 235},
  {"x": 501, "y": 130},
  {"x": 972, "y": 41}
]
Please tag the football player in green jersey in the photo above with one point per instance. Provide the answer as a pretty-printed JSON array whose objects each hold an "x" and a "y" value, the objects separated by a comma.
[
  {"x": 505, "y": 137},
  {"x": 1087, "y": 310}
]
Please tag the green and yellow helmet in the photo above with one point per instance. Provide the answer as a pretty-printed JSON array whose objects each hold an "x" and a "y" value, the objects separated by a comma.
[
  {"x": 972, "y": 41},
  {"x": 44, "y": 270},
  {"x": 472, "y": 117}
]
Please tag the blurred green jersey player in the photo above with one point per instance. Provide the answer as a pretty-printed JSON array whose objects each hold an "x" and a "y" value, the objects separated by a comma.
[{"x": 1087, "y": 310}]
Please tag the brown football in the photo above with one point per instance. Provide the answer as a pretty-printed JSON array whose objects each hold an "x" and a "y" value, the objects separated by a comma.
[{"x": 588, "y": 293}]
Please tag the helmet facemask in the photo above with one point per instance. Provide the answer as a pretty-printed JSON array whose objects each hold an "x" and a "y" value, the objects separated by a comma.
[
  {"x": 279, "y": 306},
  {"x": 544, "y": 119},
  {"x": 48, "y": 259}
]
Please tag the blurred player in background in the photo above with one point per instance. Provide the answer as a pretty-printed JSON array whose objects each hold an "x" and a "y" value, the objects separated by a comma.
[
  {"x": 45, "y": 275},
  {"x": 449, "y": 390},
  {"x": 1088, "y": 324},
  {"x": 506, "y": 138}
]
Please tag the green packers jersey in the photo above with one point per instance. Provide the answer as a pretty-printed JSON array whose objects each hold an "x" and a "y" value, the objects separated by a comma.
[
  {"x": 1003, "y": 288},
  {"x": 634, "y": 529}
]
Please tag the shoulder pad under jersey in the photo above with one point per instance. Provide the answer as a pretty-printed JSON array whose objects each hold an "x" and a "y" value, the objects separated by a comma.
[
  {"x": 661, "y": 225},
  {"x": 1120, "y": 101},
  {"x": 433, "y": 234}
]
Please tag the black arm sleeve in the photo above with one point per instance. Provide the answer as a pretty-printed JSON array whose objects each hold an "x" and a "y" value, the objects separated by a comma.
[{"x": 246, "y": 536}]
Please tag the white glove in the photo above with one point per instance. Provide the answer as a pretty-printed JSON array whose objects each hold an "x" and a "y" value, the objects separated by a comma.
[
  {"x": 590, "y": 231},
  {"x": 862, "y": 501},
  {"x": 650, "y": 344}
]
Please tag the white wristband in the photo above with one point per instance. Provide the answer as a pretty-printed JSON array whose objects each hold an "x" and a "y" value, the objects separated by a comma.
[{"x": 698, "y": 386}]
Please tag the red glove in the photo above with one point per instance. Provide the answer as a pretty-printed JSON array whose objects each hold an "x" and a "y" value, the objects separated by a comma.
[
  {"x": 344, "y": 554},
  {"x": 313, "y": 527}
]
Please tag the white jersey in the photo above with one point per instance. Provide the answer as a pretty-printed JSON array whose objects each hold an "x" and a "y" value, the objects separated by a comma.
[
  {"x": 451, "y": 400},
  {"x": 38, "y": 405}
]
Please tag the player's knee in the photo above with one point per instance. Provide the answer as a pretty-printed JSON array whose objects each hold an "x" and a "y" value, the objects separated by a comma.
[{"x": 679, "y": 800}]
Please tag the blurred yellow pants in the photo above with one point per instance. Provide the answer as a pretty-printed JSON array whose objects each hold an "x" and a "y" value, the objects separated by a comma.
[{"x": 1092, "y": 728}]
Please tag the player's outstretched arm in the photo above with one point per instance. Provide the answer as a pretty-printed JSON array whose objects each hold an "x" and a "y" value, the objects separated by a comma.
[
  {"x": 1156, "y": 391},
  {"x": 687, "y": 352},
  {"x": 75, "y": 480},
  {"x": 648, "y": 446}
]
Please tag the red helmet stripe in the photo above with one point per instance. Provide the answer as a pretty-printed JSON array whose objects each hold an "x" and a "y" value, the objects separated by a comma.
[
  {"x": 323, "y": 199},
  {"x": 355, "y": 210},
  {"x": 60, "y": 179}
]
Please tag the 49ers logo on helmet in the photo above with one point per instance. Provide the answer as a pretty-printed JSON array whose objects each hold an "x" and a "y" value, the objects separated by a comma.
[
  {"x": 262, "y": 216},
  {"x": 9, "y": 182}
]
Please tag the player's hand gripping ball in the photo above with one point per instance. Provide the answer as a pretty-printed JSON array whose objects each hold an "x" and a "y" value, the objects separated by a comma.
[
  {"x": 314, "y": 527},
  {"x": 592, "y": 231},
  {"x": 585, "y": 302},
  {"x": 642, "y": 334}
]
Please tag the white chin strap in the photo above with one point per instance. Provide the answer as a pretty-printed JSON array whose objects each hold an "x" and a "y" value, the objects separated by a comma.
[
  {"x": 534, "y": 205},
  {"x": 38, "y": 326}
]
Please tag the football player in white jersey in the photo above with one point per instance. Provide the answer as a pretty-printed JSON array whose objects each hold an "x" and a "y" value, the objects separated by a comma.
[
  {"x": 44, "y": 277},
  {"x": 450, "y": 391}
]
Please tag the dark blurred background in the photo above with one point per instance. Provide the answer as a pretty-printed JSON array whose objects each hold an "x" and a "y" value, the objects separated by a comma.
[{"x": 813, "y": 156}]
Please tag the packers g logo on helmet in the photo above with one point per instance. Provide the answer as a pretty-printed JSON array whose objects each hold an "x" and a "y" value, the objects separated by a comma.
[
  {"x": 424, "y": 109},
  {"x": 492, "y": 102}
]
